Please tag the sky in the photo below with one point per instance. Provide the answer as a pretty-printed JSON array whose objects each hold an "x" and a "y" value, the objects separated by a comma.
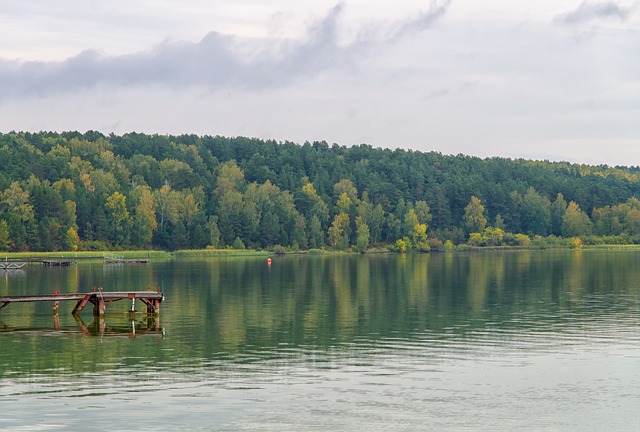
[{"x": 546, "y": 80}]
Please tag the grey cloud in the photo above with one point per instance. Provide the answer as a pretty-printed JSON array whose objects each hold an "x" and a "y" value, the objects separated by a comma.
[
  {"x": 425, "y": 19},
  {"x": 209, "y": 61},
  {"x": 212, "y": 62},
  {"x": 588, "y": 11}
]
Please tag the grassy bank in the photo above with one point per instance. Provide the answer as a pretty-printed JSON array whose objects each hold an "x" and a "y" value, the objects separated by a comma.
[
  {"x": 630, "y": 247},
  {"x": 86, "y": 255},
  {"x": 212, "y": 253},
  {"x": 204, "y": 253},
  {"x": 133, "y": 254}
]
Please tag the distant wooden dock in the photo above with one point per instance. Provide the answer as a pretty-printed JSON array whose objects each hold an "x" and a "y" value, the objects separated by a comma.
[
  {"x": 126, "y": 261},
  {"x": 49, "y": 262},
  {"x": 98, "y": 298},
  {"x": 119, "y": 259},
  {"x": 56, "y": 262},
  {"x": 11, "y": 265}
]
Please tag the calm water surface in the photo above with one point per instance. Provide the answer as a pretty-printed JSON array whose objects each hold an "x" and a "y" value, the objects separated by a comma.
[{"x": 445, "y": 342}]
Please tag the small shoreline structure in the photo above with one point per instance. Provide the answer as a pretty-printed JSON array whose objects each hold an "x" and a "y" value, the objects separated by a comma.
[
  {"x": 12, "y": 265},
  {"x": 119, "y": 259}
]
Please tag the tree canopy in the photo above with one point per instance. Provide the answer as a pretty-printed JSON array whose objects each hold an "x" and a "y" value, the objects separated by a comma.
[{"x": 70, "y": 190}]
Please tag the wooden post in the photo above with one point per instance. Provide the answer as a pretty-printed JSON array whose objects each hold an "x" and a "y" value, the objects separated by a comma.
[
  {"x": 98, "y": 306},
  {"x": 102, "y": 326},
  {"x": 81, "y": 304},
  {"x": 56, "y": 303}
]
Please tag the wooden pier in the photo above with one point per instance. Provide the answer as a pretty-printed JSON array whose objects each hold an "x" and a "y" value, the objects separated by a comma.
[
  {"x": 56, "y": 262},
  {"x": 125, "y": 261},
  {"x": 120, "y": 259},
  {"x": 98, "y": 298}
]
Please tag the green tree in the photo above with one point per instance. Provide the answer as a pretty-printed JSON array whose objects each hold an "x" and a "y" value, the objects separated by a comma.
[
  {"x": 474, "y": 219},
  {"x": 512, "y": 214},
  {"x": 423, "y": 212},
  {"x": 116, "y": 206},
  {"x": 339, "y": 232},
  {"x": 402, "y": 245},
  {"x": 66, "y": 188},
  {"x": 345, "y": 186},
  {"x": 238, "y": 244},
  {"x": 373, "y": 216},
  {"x": 16, "y": 200},
  {"x": 535, "y": 213},
  {"x": 632, "y": 221},
  {"x": 558, "y": 207},
  {"x": 362, "y": 234},
  {"x": 230, "y": 178},
  {"x": 144, "y": 218},
  {"x": 178, "y": 237},
  {"x": 229, "y": 216},
  {"x": 492, "y": 236},
  {"x": 187, "y": 208},
  {"x": 316, "y": 233},
  {"x": 5, "y": 241},
  {"x": 419, "y": 238},
  {"x": 575, "y": 222},
  {"x": 51, "y": 234},
  {"x": 214, "y": 232},
  {"x": 298, "y": 236},
  {"x": 178, "y": 174},
  {"x": 71, "y": 241},
  {"x": 311, "y": 204},
  {"x": 166, "y": 204},
  {"x": 68, "y": 216},
  {"x": 231, "y": 206},
  {"x": 410, "y": 221},
  {"x": 344, "y": 204},
  {"x": 392, "y": 228}
]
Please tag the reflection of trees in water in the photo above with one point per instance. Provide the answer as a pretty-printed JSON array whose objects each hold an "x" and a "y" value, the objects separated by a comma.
[
  {"x": 324, "y": 299},
  {"x": 228, "y": 306}
]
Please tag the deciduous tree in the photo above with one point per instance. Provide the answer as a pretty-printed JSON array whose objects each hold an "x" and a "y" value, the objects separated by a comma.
[
  {"x": 474, "y": 219},
  {"x": 575, "y": 222}
]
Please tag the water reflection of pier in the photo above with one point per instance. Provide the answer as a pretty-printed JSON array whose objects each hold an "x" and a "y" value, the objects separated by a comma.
[
  {"x": 99, "y": 327},
  {"x": 150, "y": 326}
]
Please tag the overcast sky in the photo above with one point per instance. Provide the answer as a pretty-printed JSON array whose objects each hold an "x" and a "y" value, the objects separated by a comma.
[{"x": 556, "y": 80}]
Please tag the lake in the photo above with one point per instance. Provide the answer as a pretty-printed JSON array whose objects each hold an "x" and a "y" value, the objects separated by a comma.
[{"x": 489, "y": 341}]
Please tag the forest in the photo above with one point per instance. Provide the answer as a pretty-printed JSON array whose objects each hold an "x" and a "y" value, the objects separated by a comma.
[{"x": 89, "y": 191}]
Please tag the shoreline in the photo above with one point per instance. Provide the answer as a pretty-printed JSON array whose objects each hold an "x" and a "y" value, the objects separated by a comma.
[{"x": 203, "y": 253}]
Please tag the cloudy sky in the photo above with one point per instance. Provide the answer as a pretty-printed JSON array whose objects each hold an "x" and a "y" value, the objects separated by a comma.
[{"x": 556, "y": 80}]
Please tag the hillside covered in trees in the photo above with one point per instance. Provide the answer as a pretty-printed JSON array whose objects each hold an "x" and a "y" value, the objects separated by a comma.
[{"x": 71, "y": 191}]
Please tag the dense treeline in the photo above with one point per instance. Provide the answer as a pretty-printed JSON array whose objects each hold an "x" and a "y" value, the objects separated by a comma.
[{"x": 68, "y": 191}]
